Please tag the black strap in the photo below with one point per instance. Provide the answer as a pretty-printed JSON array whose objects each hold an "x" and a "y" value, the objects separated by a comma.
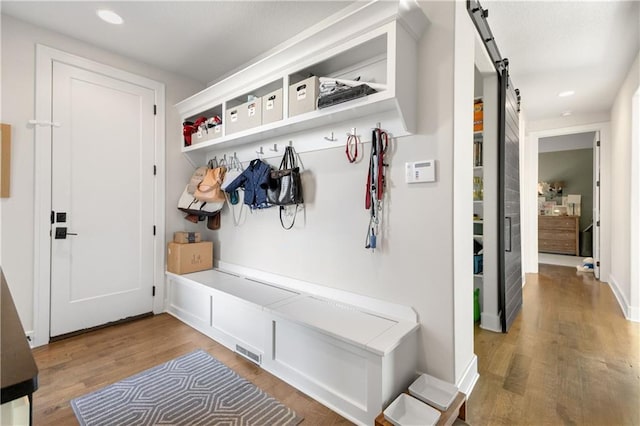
[
  {"x": 294, "y": 218},
  {"x": 288, "y": 159}
]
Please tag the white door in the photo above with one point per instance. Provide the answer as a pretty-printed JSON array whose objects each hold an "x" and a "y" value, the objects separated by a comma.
[
  {"x": 596, "y": 205},
  {"x": 103, "y": 182}
]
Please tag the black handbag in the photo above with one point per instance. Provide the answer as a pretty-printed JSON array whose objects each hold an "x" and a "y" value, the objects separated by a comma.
[{"x": 284, "y": 186}]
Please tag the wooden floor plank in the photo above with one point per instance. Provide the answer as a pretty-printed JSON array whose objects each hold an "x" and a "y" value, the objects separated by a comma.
[{"x": 573, "y": 359}]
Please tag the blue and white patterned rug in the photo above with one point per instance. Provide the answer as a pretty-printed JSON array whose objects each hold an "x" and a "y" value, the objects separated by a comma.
[{"x": 195, "y": 389}]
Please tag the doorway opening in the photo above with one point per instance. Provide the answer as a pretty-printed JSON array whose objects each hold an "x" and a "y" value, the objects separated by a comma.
[
  {"x": 566, "y": 199},
  {"x": 538, "y": 144}
]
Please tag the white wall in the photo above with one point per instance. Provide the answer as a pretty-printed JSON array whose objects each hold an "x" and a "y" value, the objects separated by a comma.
[
  {"x": 565, "y": 122},
  {"x": 418, "y": 264},
  {"x": 18, "y": 77},
  {"x": 464, "y": 91},
  {"x": 415, "y": 264},
  {"x": 621, "y": 155}
]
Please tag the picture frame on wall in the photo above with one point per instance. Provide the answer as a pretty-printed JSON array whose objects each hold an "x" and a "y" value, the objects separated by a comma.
[{"x": 5, "y": 160}]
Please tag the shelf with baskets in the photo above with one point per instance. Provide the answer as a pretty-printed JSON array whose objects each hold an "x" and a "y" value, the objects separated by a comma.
[{"x": 279, "y": 94}]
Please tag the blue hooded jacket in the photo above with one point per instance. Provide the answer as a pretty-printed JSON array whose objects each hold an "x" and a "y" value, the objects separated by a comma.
[{"x": 254, "y": 182}]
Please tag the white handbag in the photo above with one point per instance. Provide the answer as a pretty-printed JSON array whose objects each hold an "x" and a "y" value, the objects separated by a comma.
[{"x": 189, "y": 204}]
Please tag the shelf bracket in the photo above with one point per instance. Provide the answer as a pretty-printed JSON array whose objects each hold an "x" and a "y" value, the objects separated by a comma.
[{"x": 44, "y": 123}]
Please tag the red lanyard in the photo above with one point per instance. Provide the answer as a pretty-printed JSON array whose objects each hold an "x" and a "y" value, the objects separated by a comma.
[
  {"x": 375, "y": 178},
  {"x": 352, "y": 148}
]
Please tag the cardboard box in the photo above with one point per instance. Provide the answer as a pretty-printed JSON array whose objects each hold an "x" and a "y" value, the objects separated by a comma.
[
  {"x": 272, "y": 107},
  {"x": 243, "y": 117},
  {"x": 186, "y": 258},
  {"x": 183, "y": 237},
  {"x": 303, "y": 96}
]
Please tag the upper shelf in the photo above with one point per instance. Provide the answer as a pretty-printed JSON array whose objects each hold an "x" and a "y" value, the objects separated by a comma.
[{"x": 376, "y": 41}]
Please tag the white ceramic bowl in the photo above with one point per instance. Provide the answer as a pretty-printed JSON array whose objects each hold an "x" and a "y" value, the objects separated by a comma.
[
  {"x": 435, "y": 392},
  {"x": 408, "y": 411}
]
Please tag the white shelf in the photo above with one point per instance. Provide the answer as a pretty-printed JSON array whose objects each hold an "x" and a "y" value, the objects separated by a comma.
[
  {"x": 478, "y": 221},
  {"x": 478, "y": 235},
  {"x": 376, "y": 41},
  {"x": 477, "y": 275},
  {"x": 372, "y": 104}
]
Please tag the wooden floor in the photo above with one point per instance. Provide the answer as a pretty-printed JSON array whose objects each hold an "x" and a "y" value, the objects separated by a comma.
[
  {"x": 570, "y": 358},
  {"x": 78, "y": 365}
]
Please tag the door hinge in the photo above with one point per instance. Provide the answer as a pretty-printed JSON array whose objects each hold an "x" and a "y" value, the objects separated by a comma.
[
  {"x": 53, "y": 215},
  {"x": 153, "y": 290},
  {"x": 598, "y": 184},
  {"x": 155, "y": 170},
  {"x": 598, "y": 223},
  {"x": 597, "y": 143},
  {"x": 155, "y": 110},
  {"x": 154, "y": 230},
  {"x": 598, "y": 263}
]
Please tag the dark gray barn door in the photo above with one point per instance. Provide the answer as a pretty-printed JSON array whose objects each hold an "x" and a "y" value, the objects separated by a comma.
[{"x": 510, "y": 267}]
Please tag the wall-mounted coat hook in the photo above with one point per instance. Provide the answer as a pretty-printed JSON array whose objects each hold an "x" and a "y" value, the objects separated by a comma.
[
  {"x": 275, "y": 148},
  {"x": 260, "y": 151},
  {"x": 330, "y": 139},
  {"x": 290, "y": 143}
]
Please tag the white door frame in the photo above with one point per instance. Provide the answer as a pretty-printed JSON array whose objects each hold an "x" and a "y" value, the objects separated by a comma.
[
  {"x": 530, "y": 200},
  {"x": 45, "y": 56}
]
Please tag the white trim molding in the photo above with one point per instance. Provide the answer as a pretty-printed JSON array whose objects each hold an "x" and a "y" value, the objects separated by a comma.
[
  {"x": 490, "y": 322},
  {"x": 45, "y": 57},
  {"x": 470, "y": 377},
  {"x": 631, "y": 313}
]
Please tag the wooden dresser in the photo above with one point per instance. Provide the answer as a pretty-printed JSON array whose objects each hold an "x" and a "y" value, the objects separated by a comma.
[{"x": 559, "y": 234}]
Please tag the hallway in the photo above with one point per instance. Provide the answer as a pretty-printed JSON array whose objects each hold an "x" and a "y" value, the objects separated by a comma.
[{"x": 570, "y": 358}]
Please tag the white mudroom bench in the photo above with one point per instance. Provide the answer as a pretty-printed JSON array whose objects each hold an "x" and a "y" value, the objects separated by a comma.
[{"x": 352, "y": 353}]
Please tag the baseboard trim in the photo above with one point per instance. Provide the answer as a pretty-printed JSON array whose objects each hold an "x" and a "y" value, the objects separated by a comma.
[
  {"x": 470, "y": 377},
  {"x": 631, "y": 313},
  {"x": 490, "y": 322}
]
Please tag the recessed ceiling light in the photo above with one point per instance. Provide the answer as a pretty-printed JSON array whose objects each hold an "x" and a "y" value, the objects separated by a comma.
[
  {"x": 110, "y": 16},
  {"x": 566, "y": 113},
  {"x": 566, "y": 93}
]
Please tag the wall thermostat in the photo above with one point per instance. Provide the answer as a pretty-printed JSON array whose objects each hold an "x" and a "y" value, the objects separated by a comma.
[{"x": 420, "y": 171}]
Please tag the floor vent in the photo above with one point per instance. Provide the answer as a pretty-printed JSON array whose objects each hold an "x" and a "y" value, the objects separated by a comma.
[{"x": 257, "y": 358}]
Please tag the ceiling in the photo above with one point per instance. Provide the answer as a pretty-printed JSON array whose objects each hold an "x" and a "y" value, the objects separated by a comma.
[
  {"x": 556, "y": 46},
  {"x": 203, "y": 40},
  {"x": 585, "y": 46}
]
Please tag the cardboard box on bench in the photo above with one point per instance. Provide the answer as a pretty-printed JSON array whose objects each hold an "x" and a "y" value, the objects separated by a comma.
[
  {"x": 184, "y": 237},
  {"x": 187, "y": 258}
]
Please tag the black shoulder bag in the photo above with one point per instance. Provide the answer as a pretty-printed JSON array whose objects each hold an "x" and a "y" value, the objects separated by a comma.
[{"x": 284, "y": 185}]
